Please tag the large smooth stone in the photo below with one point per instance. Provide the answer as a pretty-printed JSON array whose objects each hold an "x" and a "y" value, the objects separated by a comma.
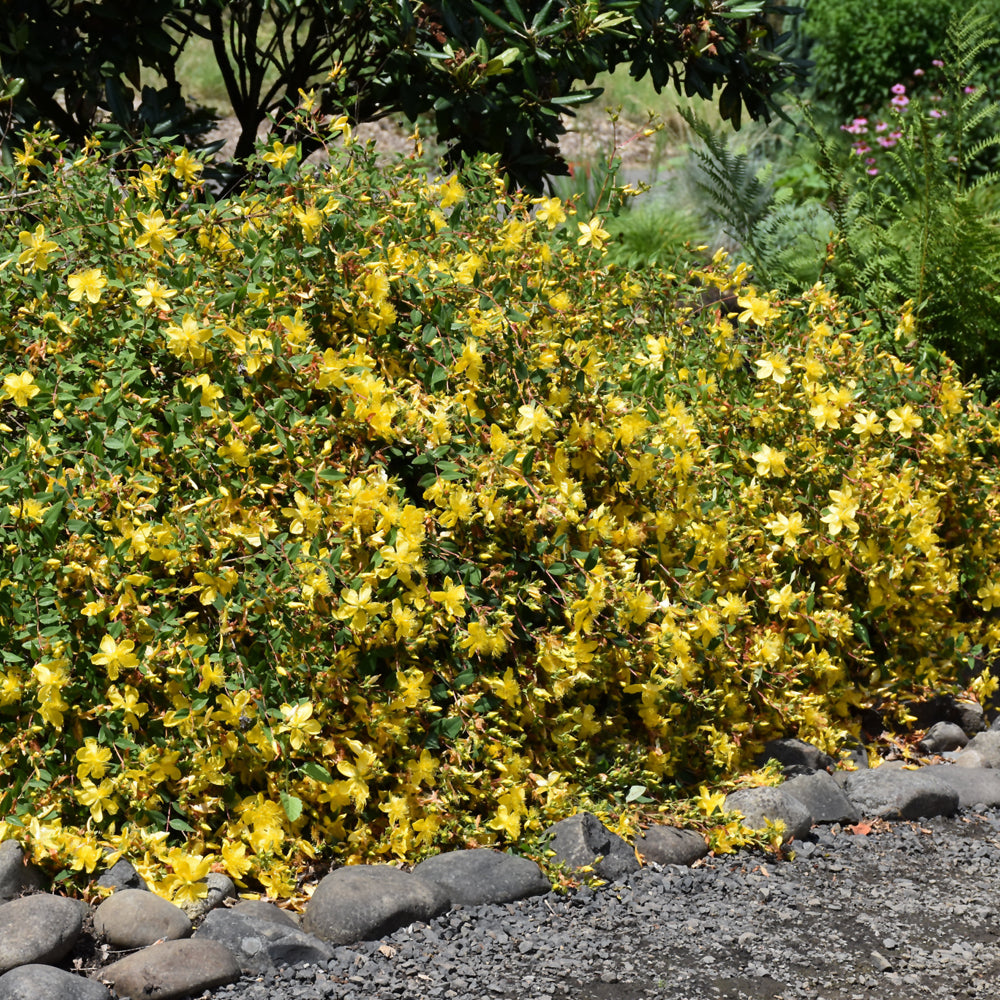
[
  {"x": 670, "y": 845},
  {"x": 259, "y": 944},
  {"x": 470, "y": 877},
  {"x": 765, "y": 804},
  {"x": 365, "y": 902},
  {"x": 890, "y": 793},
  {"x": 172, "y": 969},
  {"x": 823, "y": 797},
  {"x": 46, "y": 982},
  {"x": 38, "y": 929},
  {"x": 132, "y": 918}
]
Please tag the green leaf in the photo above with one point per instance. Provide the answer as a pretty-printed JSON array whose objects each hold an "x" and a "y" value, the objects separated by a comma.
[
  {"x": 637, "y": 793},
  {"x": 292, "y": 806},
  {"x": 317, "y": 772}
]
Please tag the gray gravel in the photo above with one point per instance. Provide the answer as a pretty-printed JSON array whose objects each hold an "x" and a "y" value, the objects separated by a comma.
[{"x": 903, "y": 913}]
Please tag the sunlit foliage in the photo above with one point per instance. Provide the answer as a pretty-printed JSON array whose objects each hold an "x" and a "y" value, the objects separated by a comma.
[{"x": 370, "y": 511}]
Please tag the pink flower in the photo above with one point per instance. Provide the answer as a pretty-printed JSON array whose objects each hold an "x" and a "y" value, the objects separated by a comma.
[
  {"x": 938, "y": 63},
  {"x": 886, "y": 141},
  {"x": 900, "y": 101},
  {"x": 881, "y": 127},
  {"x": 935, "y": 113},
  {"x": 968, "y": 90},
  {"x": 872, "y": 171},
  {"x": 918, "y": 72},
  {"x": 898, "y": 88}
]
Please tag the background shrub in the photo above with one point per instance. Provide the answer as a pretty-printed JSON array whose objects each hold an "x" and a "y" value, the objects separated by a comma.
[
  {"x": 861, "y": 49},
  {"x": 493, "y": 79}
]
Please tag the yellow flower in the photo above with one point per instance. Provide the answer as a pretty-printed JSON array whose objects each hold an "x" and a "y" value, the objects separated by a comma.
[
  {"x": 89, "y": 283},
  {"x": 867, "y": 425},
  {"x": 98, "y": 798},
  {"x": 306, "y": 515},
  {"x": 299, "y": 723},
  {"x": 28, "y": 509},
  {"x": 787, "y": 528},
  {"x": 186, "y": 168},
  {"x": 93, "y": 760},
  {"x": 560, "y": 301},
  {"x": 452, "y": 192},
  {"x": 235, "y": 860},
  {"x": 709, "y": 803},
  {"x": 36, "y": 249},
  {"x": 781, "y": 602},
  {"x": 773, "y": 366},
  {"x": 235, "y": 451},
  {"x": 359, "y": 607},
  {"x": 770, "y": 461},
  {"x": 591, "y": 233},
  {"x": 310, "y": 220},
  {"x": 157, "y": 231},
  {"x": 533, "y": 418},
  {"x": 154, "y": 294},
  {"x": 341, "y": 125},
  {"x": 279, "y": 155},
  {"x": 989, "y": 595},
  {"x": 903, "y": 421},
  {"x": 507, "y": 821},
  {"x": 841, "y": 511},
  {"x": 188, "y": 339},
  {"x": 127, "y": 701},
  {"x": 825, "y": 414},
  {"x": 20, "y": 388},
  {"x": 451, "y": 597},
  {"x": 115, "y": 656},
  {"x": 358, "y": 773},
  {"x": 757, "y": 309},
  {"x": 186, "y": 883},
  {"x": 550, "y": 211},
  {"x": 731, "y": 606}
]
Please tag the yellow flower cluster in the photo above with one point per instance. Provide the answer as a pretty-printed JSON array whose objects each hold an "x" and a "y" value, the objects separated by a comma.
[{"x": 367, "y": 512}]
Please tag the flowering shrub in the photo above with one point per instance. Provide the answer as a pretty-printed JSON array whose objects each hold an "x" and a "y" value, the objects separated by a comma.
[
  {"x": 366, "y": 512},
  {"x": 882, "y": 129}
]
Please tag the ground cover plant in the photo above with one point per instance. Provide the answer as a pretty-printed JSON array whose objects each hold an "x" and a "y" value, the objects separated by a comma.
[{"x": 372, "y": 510}]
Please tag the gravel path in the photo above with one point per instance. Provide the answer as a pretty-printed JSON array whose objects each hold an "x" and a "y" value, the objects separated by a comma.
[{"x": 903, "y": 912}]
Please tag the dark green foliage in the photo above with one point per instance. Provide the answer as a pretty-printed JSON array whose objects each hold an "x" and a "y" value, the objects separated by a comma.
[
  {"x": 860, "y": 49},
  {"x": 78, "y": 57},
  {"x": 924, "y": 230},
  {"x": 495, "y": 78}
]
